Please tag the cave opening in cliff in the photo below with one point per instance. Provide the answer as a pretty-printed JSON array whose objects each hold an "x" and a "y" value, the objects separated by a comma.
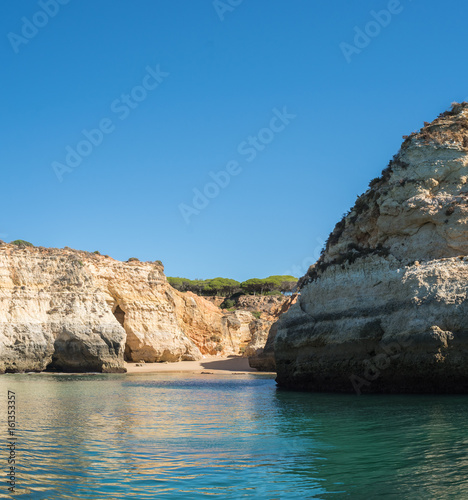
[{"x": 120, "y": 317}]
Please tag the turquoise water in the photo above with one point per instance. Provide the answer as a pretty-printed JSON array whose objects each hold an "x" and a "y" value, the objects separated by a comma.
[{"x": 197, "y": 436}]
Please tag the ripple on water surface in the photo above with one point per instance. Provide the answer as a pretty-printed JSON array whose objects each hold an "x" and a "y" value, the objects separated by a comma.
[{"x": 192, "y": 436}]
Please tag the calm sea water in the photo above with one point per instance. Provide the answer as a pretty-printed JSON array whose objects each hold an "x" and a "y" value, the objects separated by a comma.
[{"x": 197, "y": 436}]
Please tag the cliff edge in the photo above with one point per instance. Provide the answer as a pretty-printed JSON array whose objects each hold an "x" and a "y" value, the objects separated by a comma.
[
  {"x": 74, "y": 311},
  {"x": 385, "y": 307}
]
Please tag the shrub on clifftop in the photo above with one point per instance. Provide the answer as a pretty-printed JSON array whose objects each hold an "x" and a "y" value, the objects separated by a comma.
[
  {"x": 22, "y": 243},
  {"x": 269, "y": 285},
  {"x": 224, "y": 287},
  {"x": 211, "y": 287}
]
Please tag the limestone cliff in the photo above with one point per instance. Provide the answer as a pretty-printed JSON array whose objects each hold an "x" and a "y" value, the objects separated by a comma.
[
  {"x": 69, "y": 310},
  {"x": 242, "y": 331},
  {"x": 385, "y": 308},
  {"x": 262, "y": 355},
  {"x": 213, "y": 330},
  {"x": 270, "y": 306},
  {"x": 75, "y": 311}
]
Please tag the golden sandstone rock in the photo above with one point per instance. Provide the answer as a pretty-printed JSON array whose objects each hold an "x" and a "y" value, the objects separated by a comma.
[{"x": 69, "y": 310}]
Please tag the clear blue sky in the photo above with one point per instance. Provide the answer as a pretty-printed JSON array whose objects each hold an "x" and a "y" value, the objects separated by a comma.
[{"x": 225, "y": 78}]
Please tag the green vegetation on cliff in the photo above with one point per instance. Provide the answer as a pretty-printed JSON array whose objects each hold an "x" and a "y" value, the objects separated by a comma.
[
  {"x": 226, "y": 287},
  {"x": 22, "y": 243}
]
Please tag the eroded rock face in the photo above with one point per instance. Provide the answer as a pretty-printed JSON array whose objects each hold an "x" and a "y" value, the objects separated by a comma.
[
  {"x": 203, "y": 322},
  {"x": 74, "y": 311},
  {"x": 385, "y": 307},
  {"x": 57, "y": 312},
  {"x": 263, "y": 359},
  {"x": 216, "y": 331},
  {"x": 262, "y": 354},
  {"x": 271, "y": 306},
  {"x": 54, "y": 313}
]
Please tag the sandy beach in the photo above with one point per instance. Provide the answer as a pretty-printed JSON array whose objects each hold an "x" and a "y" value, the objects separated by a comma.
[{"x": 209, "y": 364}]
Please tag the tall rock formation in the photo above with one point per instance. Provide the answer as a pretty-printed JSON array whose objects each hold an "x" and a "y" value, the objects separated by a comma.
[
  {"x": 385, "y": 308},
  {"x": 67, "y": 310},
  {"x": 74, "y": 311}
]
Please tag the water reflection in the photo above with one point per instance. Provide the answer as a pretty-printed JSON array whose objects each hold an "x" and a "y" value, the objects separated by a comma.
[
  {"x": 393, "y": 446},
  {"x": 187, "y": 436}
]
